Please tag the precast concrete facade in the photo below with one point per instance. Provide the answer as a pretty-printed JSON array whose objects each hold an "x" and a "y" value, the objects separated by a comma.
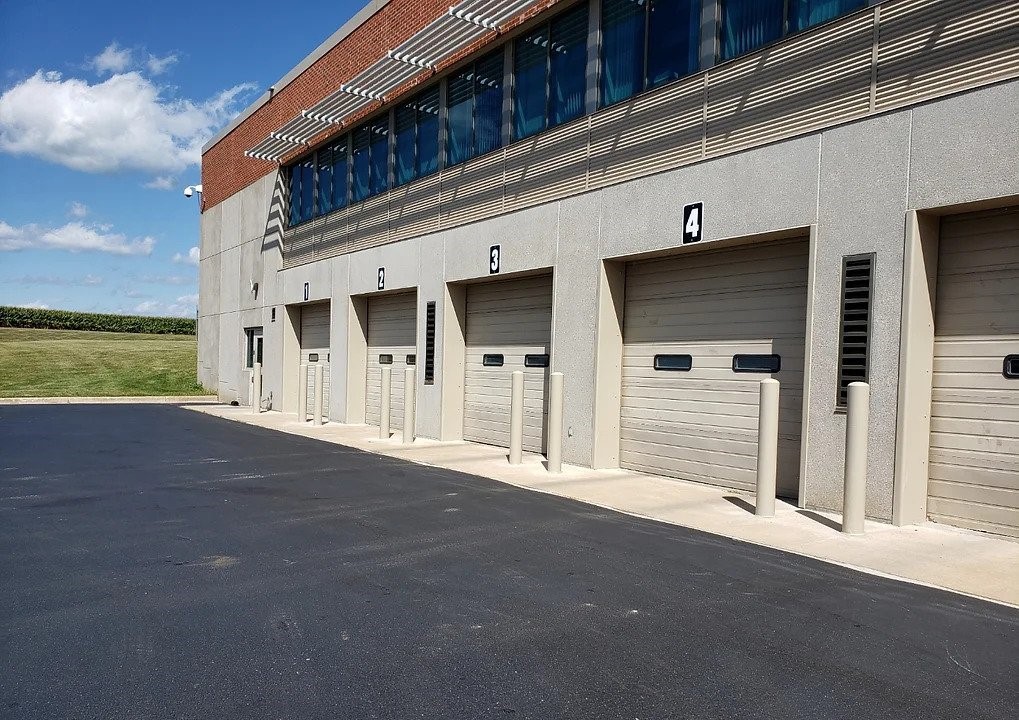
[{"x": 875, "y": 187}]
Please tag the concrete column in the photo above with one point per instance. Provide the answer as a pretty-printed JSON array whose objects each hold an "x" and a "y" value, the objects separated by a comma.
[
  {"x": 319, "y": 393},
  {"x": 256, "y": 388},
  {"x": 516, "y": 448},
  {"x": 854, "y": 502},
  {"x": 384, "y": 402},
  {"x": 302, "y": 393},
  {"x": 555, "y": 422},
  {"x": 767, "y": 448},
  {"x": 409, "y": 414}
]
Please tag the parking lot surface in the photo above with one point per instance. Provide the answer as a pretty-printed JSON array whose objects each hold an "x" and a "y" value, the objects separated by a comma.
[{"x": 162, "y": 563}]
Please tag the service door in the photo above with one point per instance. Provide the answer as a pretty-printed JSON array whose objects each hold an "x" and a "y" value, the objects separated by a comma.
[
  {"x": 974, "y": 453},
  {"x": 392, "y": 338},
  {"x": 701, "y": 330},
  {"x": 509, "y": 327},
  {"x": 315, "y": 349}
]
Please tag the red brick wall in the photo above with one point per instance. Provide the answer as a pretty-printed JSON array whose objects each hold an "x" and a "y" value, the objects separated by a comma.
[{"x": 227, "y": 170}]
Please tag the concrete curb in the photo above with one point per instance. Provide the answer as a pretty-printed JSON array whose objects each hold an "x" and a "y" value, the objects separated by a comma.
[{"x": 136, "y": 400}]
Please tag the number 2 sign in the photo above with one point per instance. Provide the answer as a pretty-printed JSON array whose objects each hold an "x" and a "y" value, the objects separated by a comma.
[{"x": 693, "y": 222}]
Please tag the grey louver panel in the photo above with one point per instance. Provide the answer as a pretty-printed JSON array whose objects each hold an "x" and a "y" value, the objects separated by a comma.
[
  {"x": 894, "y": 54},
  {"x": 854, "y": 340}
]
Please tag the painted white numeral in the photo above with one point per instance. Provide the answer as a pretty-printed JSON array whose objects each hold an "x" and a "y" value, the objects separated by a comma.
[{"x": 693, "y": 223}]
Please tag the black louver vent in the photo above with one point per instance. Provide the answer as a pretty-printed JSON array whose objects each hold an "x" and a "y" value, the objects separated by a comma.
[{"x": 854, "y": 342}]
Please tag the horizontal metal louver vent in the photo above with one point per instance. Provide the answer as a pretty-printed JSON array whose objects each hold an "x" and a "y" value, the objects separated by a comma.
[{"x": 854, "y": 340}]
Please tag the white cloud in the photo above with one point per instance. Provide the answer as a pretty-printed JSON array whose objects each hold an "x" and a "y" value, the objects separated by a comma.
[
  {"x": 87, "y": 281},
  {"x": 159, "y": 65},
  {"x": 126, "y": 122},
  {"x": 185, "y": 306},
  {"x": 167, "y": 279},
  {"x": 75, "y": 237},
  {"x": 34, "y": 305},
  {"x": 161, "y": 182},
  {"x": 78, "y": 209},
  {"x": 113, "y": 59},
  {"x": 190, "y": 259}
]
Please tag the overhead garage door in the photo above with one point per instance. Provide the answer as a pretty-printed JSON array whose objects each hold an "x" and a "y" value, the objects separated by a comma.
[
  {"x": 974, "y": 453},
  {"x": 701, "y": 314},
  {"x": 315, "y": 349},
  {"x": 509, "y": 327},
  {"x": 391, "y": 342}
]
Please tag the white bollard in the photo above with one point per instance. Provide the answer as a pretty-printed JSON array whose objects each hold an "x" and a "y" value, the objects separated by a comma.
[
  {"x": 516, "y": 448},
  {"x": 408, "y": 405},
  {"x": 387, "y": 389},
  {"x": 319, "y": 393},
  {"x": 854, "y": 498},
  {"x": 555, "y": 422},
  {"x": 256, "y": 388},
  {"x": 767, "y": 448},
  {"x": 302, "y": 394}
]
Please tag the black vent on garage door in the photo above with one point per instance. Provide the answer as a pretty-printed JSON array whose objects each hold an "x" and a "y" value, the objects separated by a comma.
[
  {"x": 429, "y": 343},
  {"x": 854, "y": 342}
]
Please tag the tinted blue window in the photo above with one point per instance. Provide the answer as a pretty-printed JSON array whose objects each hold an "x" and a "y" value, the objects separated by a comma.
[
  {"x": 673, "y": 40},
  {"x": 325, "y": 181},
  {"x": 404, "y": 144},
  {"x": 360, "y": 171},
  {"x": 379, "y": 174},
  {"x": 488, "y": 84},
  {"x": 530, "y": 65},
  {"x": 459, "y": 117},
  {"x": 567, "y": 66},
  {"x": 749, "y": 24},
  {"x": 339, "y": 174},
  {"x": 307, "y": 170},
  {"x": 622, "y": 50},
  {"x": 805, "y": 13},
  {"x": 428, "y": 132}
]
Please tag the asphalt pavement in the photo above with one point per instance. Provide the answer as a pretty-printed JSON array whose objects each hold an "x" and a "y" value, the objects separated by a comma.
[{"x": 160, "y": 563}]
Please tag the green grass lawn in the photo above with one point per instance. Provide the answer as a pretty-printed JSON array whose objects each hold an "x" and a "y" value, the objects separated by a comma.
[{"x": 69, "y": 363}]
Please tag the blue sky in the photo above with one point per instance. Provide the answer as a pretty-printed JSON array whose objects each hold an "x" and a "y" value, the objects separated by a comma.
[{"x": 103, "y": 107}]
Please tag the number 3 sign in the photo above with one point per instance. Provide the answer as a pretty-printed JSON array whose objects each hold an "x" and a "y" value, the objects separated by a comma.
[{"x": 494, "y": 258}]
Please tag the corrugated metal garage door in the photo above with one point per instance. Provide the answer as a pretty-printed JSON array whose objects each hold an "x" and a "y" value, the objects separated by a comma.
[
  {"x": 511, "y": 319},
  {"x": 315, "y": 349},
  {"x": 391, "y": 333},
  {"x": 701, "y": 424},
  {"x": 974, "y": 454}
]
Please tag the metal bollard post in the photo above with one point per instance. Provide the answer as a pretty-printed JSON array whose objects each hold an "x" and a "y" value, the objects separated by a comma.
[
  {"x": 767, "y": 448},
  {"x": 555, "y": 422},
  {"x": 387, "y": 389},
  {"x": 854, "y": 498},
  {"x": 408, "y": 405},
  {"x": 302, "y": 394},
  {"x": 319, "y": 393},
  {"x": 516, "y": 448},
  {"x": 256, "y": 388}
]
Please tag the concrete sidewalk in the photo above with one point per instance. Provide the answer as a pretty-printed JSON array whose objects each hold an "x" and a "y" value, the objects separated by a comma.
[{"x": 939, "y": 556}]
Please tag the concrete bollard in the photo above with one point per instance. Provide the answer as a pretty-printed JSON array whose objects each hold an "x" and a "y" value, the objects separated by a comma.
[
  {"x": 767, "y": 448},
  {"x": 854, "y": 498},
  {"x": 384, "y": 403},
  {"x": 408, "y": 405},
  {"x": 302, "y": 394},
  {"x": 555, "y": 422},
  {"x": 516, "y": 448},
  {"x": 319, "y": 393},
  {"x": 256, "y": 388}
]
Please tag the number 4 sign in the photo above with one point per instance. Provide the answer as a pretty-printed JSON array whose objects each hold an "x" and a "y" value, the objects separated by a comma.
[{"x": 693, "y": 222}]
